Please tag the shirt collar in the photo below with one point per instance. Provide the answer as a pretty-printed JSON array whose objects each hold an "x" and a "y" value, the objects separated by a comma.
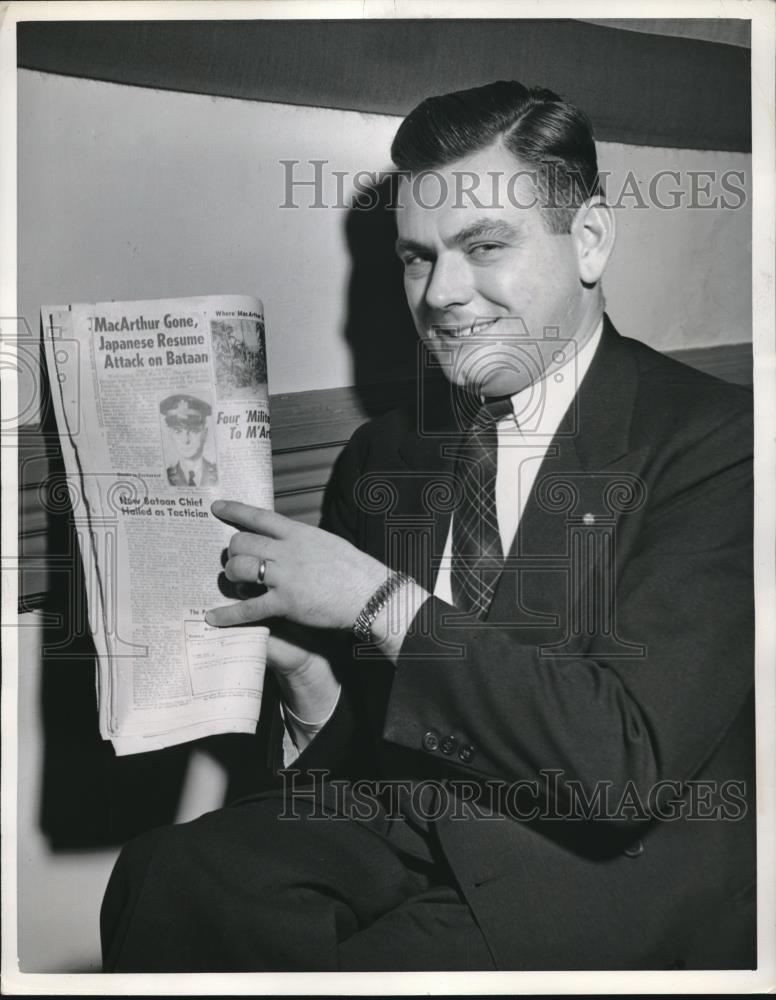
[{"x": 540, "y": 406}]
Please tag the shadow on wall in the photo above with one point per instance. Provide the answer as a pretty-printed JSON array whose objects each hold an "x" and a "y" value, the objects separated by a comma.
[{"x": 379, "y": 329}]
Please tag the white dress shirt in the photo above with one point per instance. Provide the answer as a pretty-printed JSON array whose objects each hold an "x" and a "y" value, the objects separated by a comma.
[{"x": 523, "y": 439}]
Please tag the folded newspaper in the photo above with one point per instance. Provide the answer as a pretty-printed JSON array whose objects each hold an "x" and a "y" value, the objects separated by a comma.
[{"x": 161, "y": 407}]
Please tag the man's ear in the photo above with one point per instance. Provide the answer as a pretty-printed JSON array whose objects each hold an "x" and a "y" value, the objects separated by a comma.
[{"x": 593, "y": 231}]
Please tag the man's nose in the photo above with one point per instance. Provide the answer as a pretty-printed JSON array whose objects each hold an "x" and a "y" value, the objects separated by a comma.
[{"x": 449, "y": 284}]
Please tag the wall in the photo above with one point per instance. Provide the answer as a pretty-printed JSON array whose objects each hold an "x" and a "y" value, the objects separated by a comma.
[{"x": 127, "y": 192}]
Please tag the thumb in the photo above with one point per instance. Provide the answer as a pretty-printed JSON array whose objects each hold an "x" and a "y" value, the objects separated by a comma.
[{"x": 284, "y": 656}]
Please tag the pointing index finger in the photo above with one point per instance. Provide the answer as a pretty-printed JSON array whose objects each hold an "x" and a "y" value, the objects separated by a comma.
[
  {"x": 245, "y": 612},
  {"x": 243, "y": 515}
]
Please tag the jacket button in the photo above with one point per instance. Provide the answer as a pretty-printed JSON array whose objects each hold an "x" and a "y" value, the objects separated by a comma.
[
  {"x": 448, "y": 744},
  {"x": 635, "y": 849},
  {"x": 466, "y": 753},
  {"x": 430, "y": 740}
]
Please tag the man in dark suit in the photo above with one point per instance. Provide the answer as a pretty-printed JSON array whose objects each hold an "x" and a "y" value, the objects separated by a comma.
[{"x": 540, "y": 754}]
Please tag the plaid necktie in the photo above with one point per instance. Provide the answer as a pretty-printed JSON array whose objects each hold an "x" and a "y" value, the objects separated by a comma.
[{"x": 478, "y": 558}]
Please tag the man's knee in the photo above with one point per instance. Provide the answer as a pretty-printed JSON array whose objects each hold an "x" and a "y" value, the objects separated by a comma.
[
  {"x": 195, "y": 862},
  {"x": 124, "y": 887}
]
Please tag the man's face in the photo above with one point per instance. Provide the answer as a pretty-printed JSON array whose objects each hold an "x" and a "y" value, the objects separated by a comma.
[
  {"x": 484, "y": 283},
  {"x": 189, "y": 439}
]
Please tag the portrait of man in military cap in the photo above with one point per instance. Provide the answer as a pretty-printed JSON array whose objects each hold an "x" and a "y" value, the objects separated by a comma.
[{"x": 186, "y": 419}]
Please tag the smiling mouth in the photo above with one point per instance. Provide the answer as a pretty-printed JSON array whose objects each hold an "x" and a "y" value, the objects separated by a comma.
[{"x": 462, "y": 332}]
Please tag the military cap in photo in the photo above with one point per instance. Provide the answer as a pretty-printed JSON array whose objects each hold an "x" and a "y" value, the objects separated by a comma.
[{"x": 182, "y": 410}]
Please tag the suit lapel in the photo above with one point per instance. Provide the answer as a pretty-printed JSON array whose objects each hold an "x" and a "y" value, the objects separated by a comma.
[{"x": 588, "y": 455}]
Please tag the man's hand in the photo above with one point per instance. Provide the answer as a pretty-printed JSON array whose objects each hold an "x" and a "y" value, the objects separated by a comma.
[
  {"x": 312, "y": 577},
  {"x": 307, "y": 683}
]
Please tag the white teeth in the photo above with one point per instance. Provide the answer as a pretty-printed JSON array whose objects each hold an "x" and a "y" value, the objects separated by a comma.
[
  {"x": 482, "y": 324},
  {"x": 479, "y": 326}
]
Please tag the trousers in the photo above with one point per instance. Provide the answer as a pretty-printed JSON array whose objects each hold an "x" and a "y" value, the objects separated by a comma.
[{"x": 259, "y": 886}]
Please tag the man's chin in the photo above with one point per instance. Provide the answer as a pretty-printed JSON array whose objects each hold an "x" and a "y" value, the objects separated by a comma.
[
  {"x": 483, "y": 380},
  {"x": 490, "y": 369},
  {"x": 492, "y": 387}
]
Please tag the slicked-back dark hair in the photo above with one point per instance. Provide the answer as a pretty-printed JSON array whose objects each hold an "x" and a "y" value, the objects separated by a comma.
[{"x": 549, "y": 137}]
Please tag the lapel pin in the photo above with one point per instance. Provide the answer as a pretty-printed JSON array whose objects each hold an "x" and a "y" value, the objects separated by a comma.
[{"x": 588, "y": 519}]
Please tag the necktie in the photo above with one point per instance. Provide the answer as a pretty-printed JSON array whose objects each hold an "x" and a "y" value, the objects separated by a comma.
[
  {"x": 191, "y": 478},
  {"x": 478, "y": 558}
]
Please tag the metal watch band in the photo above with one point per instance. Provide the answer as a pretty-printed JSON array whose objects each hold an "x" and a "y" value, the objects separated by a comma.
[{"x": 362, "y": 626}]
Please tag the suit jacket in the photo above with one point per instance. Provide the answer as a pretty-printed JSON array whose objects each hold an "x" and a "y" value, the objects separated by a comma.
[
  {"x": 616, "y": 660},
  {"x": 177, "y": 477}
]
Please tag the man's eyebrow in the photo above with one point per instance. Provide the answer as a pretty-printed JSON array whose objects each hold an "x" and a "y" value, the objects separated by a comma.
[{"x": 495, "y": 228}]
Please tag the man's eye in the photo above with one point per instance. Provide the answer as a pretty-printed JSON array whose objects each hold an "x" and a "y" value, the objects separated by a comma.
[{"x": 485, "y": 249}]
